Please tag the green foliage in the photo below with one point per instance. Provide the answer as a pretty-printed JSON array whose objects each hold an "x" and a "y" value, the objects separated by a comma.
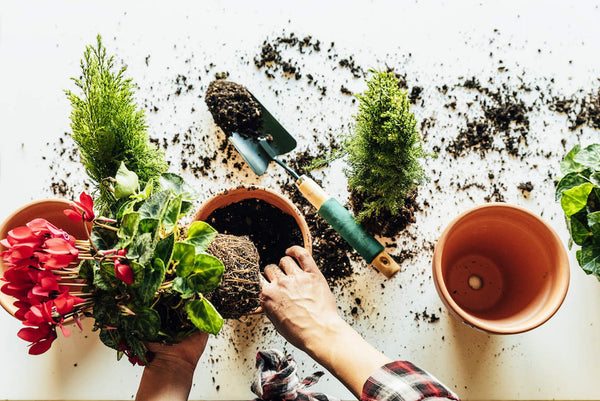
[
  {"x": 165, "y": 301},
  {"x": 384, "y": 150},
  {"x": 579, "y": 195},
  {"x": 107, "y": 126}
]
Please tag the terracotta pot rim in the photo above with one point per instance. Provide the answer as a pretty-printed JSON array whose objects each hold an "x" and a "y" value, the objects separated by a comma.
[
  {"x": 557, "y": 298},
  {"x": 252, "y": 190}
]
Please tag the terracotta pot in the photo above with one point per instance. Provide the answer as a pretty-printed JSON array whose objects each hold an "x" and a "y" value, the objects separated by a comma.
[
  {"x": 228, "y": 197},
  {"x": 49, "y": 209},
  {"x": 501, "y": 269}
]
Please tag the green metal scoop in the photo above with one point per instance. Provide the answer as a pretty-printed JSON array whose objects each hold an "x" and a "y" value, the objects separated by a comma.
[{"x": 275, "y": 141}]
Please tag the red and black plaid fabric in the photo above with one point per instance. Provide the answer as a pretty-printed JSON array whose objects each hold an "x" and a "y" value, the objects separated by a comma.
[
  {"x": 276, "y": 380},
  {"x": 403, "y": 381}
]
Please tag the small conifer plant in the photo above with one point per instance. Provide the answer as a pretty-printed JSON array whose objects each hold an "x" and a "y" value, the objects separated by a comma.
[
  {"x": 384, "y": 150},
  {"x": 107, "y": 125}
]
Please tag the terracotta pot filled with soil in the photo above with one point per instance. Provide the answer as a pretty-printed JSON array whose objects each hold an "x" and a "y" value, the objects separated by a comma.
[
  {"x": 52, "y": 211},
  {"x": 265, "y": 219},
  {"x": 501, "y": 268}
]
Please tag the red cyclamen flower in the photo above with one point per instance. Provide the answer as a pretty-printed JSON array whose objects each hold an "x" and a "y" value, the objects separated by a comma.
[
  {"x": 82, "y": 210},
  {"x": 123, "y": 271}
]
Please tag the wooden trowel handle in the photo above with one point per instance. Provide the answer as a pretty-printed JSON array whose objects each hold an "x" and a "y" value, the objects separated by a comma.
[{"x": 342, "y": 221}]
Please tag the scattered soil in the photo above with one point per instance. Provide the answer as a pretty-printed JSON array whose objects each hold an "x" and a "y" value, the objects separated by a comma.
[
  {"x": 239, "y": 290},
  {"x": 525, "y": 188},
  {"x": 580, "y": 111},
  {"x": 233, "y": 108},
  {"x": 386, "y": 224},
  {"x": 271, "y": 230}
]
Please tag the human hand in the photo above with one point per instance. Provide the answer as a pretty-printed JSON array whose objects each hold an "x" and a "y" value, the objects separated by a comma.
[{"x": 298, "y": 301}]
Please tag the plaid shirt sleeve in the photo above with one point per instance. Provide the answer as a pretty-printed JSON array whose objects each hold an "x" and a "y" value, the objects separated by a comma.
[{"x": 403, "y": 381}]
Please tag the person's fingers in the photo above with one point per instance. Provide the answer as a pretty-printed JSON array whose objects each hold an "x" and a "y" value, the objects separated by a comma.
[
  {"x": 289, "y": 266},
  {"x": 304, "y": 258},
  {"x": 273, "y": 271}
]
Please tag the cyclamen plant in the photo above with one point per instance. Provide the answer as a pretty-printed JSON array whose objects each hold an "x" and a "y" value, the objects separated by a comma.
[{"x": 137, "y": 274}]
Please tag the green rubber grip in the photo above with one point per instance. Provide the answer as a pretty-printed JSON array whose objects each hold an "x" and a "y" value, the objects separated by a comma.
[{"x": 343, "y": 222}]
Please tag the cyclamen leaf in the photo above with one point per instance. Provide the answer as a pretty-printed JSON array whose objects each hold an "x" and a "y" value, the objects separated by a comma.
[
  {"x": 184, "y": 258},
  {"x": 578, "y": 228},
  {"x": 177, "y": 186},
  {"x": 186, "y": 207},
  {"x": 127, "y": 182},
  {"x": 589, "y": 258},
  {"x": 200, "y": 234},
  {"x": 171, "y": 216},
  {"x": 207, "y": 274},
  {"x": 575, "y": 199},
  {"x": 128, "y": 228},
  {"x": 155, "y": 206},
  {"x": 147, "y": 323},
  {"x": 148, "y": 225},
  {"x": 164, "y": 249},
  {"x": 593, "y": 220},
  {"x": 181, "y": 285},
  {"x": 568, "y": 165},
  {"x": 141, "y": 248},
  {"x": 204, "y": 315},
  {"x": 154, "y": 275},
  {"x": 569, "y": 181},
  {"x": 589, "y": 157}
]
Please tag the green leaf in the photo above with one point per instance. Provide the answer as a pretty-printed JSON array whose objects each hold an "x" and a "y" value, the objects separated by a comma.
[
  {"x": 589, "y": 157},
  {"x": 589, "y": 258},
  {"x": 141, "y": 248},
  {"x": 154, "y": 275},
  {"x": 569, "y": 165},
  {"x": 148, "y": 225},
  {"x": 125, "y": 208},
  {"x": 105, "y": 277},
  {"x": 207, "y": 274},
  {"x": 145, "y": 194},
  {"x": 86, "y": 271},
  {"x": 569, "y": 181},
  {"x": 575, "y": 199},
  {"x": 146, "y": 323},
  {"x": 184, "y": 258},
  {"x": 155, "y": 206},
  {"x": 107, "y": 338},
  {"x": 181, "y": 285},
  {"x": 164, "y": 249},
  {"x": 171, "y": 216},
  {"x": 127, "y": 182},
  {"x": 200, "y": 234},
  {"x": 593, "y": 220},
  {"x": 578, "y": 228},
  {"x": 138, "y": 273},
  {"x": 177, "y": 186},
  {"x": 204, "y": 316},
  {"x": 128, "y": 228},
  {"x": 186, "y": 207}
]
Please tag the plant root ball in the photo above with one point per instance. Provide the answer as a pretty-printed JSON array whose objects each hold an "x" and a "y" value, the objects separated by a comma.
[
  {"x": 239, "y": 290},
  {"x": 233, "y": 108}
]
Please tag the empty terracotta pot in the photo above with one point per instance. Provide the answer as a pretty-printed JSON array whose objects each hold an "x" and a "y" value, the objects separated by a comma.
[
  {"x": 501, "y": 268},
  {"x": 49, "y": 209},
  {"x": 230, "y": 196}
]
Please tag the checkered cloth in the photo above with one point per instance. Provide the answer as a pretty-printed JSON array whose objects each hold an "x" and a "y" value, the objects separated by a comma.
[
  {"x": 403, "y": 381},
  {"x": 275, "y": 379}
]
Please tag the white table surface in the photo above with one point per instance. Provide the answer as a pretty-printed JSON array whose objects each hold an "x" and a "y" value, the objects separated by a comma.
[{"x": 42, "y": 42}]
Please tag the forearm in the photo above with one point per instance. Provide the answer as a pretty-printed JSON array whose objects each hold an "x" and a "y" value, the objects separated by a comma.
[
  {"x": 165, "y": 382},
  {"x": 348, "y": 356}
]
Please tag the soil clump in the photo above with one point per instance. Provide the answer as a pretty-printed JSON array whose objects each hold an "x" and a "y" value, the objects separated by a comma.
[
  {"x": 271, "y": 230},
  {"x": 239, "y": 290},
  {"x": 233, "y": 108}
]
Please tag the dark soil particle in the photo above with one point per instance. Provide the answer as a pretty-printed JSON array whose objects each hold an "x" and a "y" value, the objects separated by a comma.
[
  {"x": 525, "y": 188},
  {"x": 580, "y": 111},
  {"x": 271, "y": 230},
  {"x": 233, "y": 108}
]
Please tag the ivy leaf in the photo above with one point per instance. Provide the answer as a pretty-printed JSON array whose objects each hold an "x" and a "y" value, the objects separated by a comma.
[
  {"x": 155, "y": 206},
  {"x": 171, "y": 216},
  {"x": 569, "y": 165},
  {"x": 164, "y": 249},
  {"x": 575, "y": 199},
  {"x": 204, "y": 315},
  {"x": 579, "y": 228},
  {"x": 128, "y": 228},
  {"x": 127, "y": 182},
  {"x": 184, "y": 258},
  {"x": 589, "y": 258},
  {"x": 181, "y": 285},
  {"x": 589, "y": 157},
  {"x": 177, "y": 186},
  {"x": 207, "y": 274},
  {"x": 569, "y": 181},
  {"x": 200, "y": 234}
]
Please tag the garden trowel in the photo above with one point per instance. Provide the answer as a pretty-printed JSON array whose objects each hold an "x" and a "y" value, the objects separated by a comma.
[{"x": 275, "y": 141}]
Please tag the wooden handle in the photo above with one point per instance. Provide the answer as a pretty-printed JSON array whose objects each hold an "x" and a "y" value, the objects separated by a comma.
[
  {"x": 385, "y": 264},
  {"x": 312, "y": 191}
]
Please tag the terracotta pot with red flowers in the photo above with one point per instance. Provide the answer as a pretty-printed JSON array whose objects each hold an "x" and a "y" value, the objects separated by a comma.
[{"x": 137, "y": 273}]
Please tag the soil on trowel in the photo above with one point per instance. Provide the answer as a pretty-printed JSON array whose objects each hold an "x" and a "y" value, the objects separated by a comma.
[
  {"x": 233, "y": 108},
  {"x": 271, "y": 230}
]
